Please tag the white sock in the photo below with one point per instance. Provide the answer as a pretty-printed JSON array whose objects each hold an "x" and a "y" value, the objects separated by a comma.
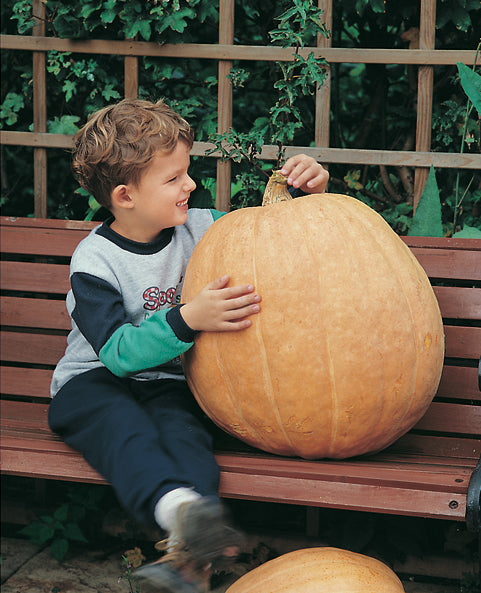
[{"x": 165, "y": 511}]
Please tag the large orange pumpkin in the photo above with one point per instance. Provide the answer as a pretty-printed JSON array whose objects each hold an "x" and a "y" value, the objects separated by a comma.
[
  {"x": 347, "y": 351},
  {"x": 319, "y": 570}
]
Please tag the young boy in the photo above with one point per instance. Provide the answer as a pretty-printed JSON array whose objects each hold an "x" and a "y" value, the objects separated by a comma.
[{"x": 119, "y": 395}]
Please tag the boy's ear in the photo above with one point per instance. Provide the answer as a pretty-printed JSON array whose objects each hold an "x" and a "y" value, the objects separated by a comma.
[{"x": 121, "y": 197}]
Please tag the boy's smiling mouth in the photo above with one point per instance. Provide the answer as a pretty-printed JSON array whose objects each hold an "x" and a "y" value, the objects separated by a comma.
[{"x": 183, "y": 203}]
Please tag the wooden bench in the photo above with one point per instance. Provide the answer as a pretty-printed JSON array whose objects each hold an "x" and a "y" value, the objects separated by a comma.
[{"x": 433, "y": 471}]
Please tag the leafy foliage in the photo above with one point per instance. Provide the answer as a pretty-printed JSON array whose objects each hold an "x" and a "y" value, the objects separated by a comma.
[
  {"x": 297, "y": 79},
  {"x": 65, "y": 525},
  {"x": 427, "y": 218},
  {"x": 372, "y": 105},
  {"x": 471, "y": 83}
]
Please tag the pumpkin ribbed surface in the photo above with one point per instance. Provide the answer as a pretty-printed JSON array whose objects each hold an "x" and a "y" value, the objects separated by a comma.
[
  {"x": 319, "y": 570},
  {"x": 347, "y": 351}
]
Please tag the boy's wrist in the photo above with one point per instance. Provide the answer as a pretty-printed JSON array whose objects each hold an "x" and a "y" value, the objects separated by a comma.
[
  {"x": 179, "y": 325},
  {"x": 189, "y": 316}
]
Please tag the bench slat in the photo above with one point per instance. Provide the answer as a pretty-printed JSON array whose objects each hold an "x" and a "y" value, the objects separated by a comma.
[
  {"x": 20, "y": 381},
  {"x": 367, "y": 470},
  {"x": 459, "y": 303},
  {"x": 450, "y": 243},
  {"x": 462, "y": 342},
  {"x": 40, "y": 241},
  {"x": 454, "y": 302},
  {"x": 25, "y": 418},
  {"x": 456, "y": 382},
  {"x": 440, "y": 417},
  {"x": 21, "y": 222},
  {"x": 411, "y": 448},
  {"x": 38, "y": 313},
  {"x": 420, "y": 446},
  {"x": 35, "y": 277},
  {"x": 449, "y": 264},
  {"x": 459, "y": 382},
  {"x": 454, "y": 259},
  {"x": 451, "y": 418},
  {"x": 27, "y": 457},
  {"x": 32, "y": 348},
  {"x": 330, "y": 494}
]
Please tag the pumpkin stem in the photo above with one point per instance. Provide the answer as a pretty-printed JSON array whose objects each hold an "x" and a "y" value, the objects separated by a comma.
[{"x": 276, "y": 189}]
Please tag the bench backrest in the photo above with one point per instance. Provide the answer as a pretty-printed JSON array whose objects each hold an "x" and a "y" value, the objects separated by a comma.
[{"x": 35, "y": 280}]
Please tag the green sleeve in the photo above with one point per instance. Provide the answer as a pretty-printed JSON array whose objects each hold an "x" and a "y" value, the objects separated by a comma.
[
  {"x": 131, "y": 349},
  {"x": 217, "y": 213}
]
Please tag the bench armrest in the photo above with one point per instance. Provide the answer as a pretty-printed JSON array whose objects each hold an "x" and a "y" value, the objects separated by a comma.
[{"x": 473, "y": 501}]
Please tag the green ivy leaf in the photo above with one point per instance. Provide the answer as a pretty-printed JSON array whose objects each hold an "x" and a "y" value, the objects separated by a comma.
[
  {"x": 63, "y": 125},
  {"x": 209, "y": 10},
  {"x": 66, "y": 23},
  {"x": 38, "y": 532},
  {"x": 427, "y": 217},
  {"x": 468, "y": 232},
  {"x": 176, "y": 21},
  {"x": 352, "y": 179},
  {"x": 48, "y": 519},
  {"x": 73, "y": 532},
  {"x": 140, "y": 26},
  {"x": 471, "y": 83},
  {"x": 108, "y": 16},
  {"x": 455, "y": 13},
  {"x": 61, "y": 513},
  {"x": 22, "y": 12},
  {"x": 312, "y": 73},
  {"x": 59, "y": 548},
  {"x": 89, "y": 8},
  {"x": 361, "y": 6},
  {"x": 108, "y": 92},
  {"x": 69, "y": 87},
  {"x": 378, "y": 5},
  {"x": 11, "y": 105}
]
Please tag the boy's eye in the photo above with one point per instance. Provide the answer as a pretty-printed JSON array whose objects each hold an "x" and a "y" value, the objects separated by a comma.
[{"x": 173, "y": 179}]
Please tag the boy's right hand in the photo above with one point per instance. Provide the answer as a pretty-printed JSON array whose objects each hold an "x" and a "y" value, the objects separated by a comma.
[{"x": 220, "y": 308}]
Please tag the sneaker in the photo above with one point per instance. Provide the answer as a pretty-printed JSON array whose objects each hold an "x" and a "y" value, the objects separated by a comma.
[
  {"x": 200, "y": 541},
  {"x": 163, "y": 577},
  {"x": 203, "y": 530}
]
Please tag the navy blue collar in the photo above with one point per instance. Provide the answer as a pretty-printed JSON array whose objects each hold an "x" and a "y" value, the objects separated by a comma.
[{"x": 159, "y": 243}]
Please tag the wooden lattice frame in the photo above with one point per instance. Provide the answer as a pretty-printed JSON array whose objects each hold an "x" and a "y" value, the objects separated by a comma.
[{"x": 426, "y": 57}]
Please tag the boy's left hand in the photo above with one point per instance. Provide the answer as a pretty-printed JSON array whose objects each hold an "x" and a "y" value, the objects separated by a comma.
[{"x": 306, "y": 173}]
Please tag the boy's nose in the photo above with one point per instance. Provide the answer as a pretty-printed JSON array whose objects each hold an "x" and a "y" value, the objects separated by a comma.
[{"x": 190, "y": 183}]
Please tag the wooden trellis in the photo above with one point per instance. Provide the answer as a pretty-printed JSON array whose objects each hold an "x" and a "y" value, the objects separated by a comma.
[{"x": 426, "y": 57}]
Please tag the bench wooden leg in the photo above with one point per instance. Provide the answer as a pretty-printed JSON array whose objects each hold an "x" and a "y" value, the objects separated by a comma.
[
  {"x": 312, "y": 521},
  {"x": 40, "y": 490}
]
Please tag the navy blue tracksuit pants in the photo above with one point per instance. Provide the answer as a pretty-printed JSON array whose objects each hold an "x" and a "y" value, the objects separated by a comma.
[{"x": 145, "y": 437}]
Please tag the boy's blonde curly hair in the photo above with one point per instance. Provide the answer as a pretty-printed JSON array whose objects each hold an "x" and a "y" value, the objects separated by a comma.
[{"x": 118, "y": 142}]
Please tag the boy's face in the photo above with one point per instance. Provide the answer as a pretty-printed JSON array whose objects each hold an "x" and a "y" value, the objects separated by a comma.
[{"x": 159, "y": 201}]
